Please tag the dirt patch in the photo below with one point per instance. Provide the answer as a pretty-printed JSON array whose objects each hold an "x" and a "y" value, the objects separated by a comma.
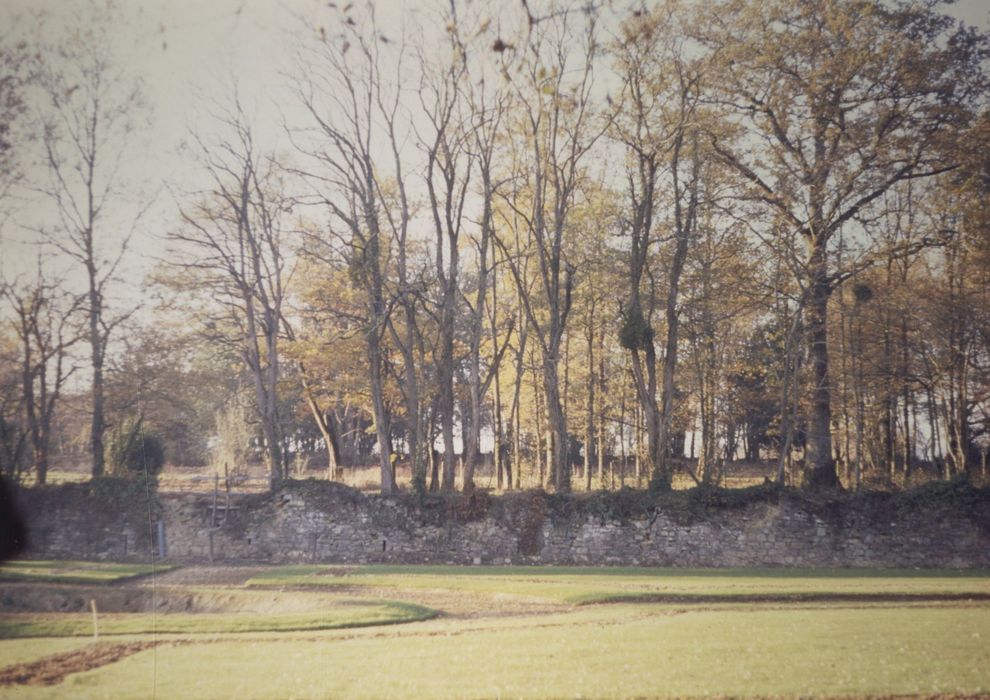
[
  {"x": 52, "y": 670},
  {"x": 466, "y": 604},
  {"x": 206, "y": 576}
]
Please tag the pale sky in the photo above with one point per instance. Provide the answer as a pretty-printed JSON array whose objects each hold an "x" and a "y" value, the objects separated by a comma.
[{"x": 186, "y": 52}]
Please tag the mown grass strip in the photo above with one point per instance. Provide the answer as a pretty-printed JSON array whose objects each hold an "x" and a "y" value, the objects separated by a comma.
[
  {"x": 771, "y": 598},
  {"x": 595, "y": 585},
  {"x": 360, "y": 614}
]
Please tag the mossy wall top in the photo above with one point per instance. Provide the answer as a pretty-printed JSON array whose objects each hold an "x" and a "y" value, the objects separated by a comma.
[{"x": 943, "y": 525}]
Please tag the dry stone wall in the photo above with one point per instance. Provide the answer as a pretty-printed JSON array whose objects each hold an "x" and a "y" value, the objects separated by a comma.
[{"x": 325, "y": 522}]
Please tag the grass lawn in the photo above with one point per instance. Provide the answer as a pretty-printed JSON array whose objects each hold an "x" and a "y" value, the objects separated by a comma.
[
  {"x": 718, "y": 639},
  {"x": 15, "y": 651},
  {"x": 74, "y": 571},
  {"x": 617, "y": 651}
]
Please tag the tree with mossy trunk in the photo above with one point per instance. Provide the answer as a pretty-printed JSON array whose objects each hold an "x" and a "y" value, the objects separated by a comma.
[{"x": 659, "y": 129}]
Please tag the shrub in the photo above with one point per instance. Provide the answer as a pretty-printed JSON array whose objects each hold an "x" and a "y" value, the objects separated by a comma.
[{"x": 134, "y": 449}]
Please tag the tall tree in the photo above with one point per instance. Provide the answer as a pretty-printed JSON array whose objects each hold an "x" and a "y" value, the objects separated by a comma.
[
  {"x": 16, "y": 66},
  {"x": 231, "y": 245},
  {"x": 488, "y": 108},
  {"x": 557, "y": 125},
  {"x": 659, "y": 128},
  {"x": 834, "y": 103},
  {"x": 88, "y": 107},
  {"x": 448, "y": 173},
  {"x": 342, "y": 87}
]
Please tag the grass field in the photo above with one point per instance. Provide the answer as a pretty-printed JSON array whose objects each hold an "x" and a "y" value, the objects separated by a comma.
[{"x": 549, "y": 632}]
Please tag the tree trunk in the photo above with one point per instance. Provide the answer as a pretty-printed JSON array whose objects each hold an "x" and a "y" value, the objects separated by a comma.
[
  {"x": 844, "y": 332},
  {"x": 410, "y": 392},
  {"x": 326, "y": 431},
  {"x": 820, "y": 463},
  {"x": 561, "y": 467},
  {"x": 96, "y": 341},
  {"x": 936, "y": 428},
  {"x": 515, "y": 410},
  {"x": 589, "y": 432},
  {"x": 638, "y": 442},
  {"x": 431, "y": 439},
  {"x": 622, "y": 438},
  {"x": 541, "y": 438},
  {"x": 502, "y": 467},
  {"x": 446, "y": 378},
  {"x": 30, "y": 410},
  {"x": 602, "y": 386},
  {"x": 472, "y": 423},
  {"x": 381, "y": 416}
]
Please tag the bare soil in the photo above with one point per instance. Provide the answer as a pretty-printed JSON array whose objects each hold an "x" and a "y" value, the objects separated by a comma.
[
  {"x": 52, "y": 670},
  {"x": 226, "y": 576}
]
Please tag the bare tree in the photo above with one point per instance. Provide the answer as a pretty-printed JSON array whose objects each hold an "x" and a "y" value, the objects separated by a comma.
[
  {"x": 88, "y": 109},
  {"x": 341, "y": 86},
  {"x": 16, "y": 68},
  {"x": 231, "y": 244},
  {"x": 43, "y": 321},
  {"x": 555, "y": 131},
  {"x": 486, "y": 124},
  {"x": 448, "y": 175}
]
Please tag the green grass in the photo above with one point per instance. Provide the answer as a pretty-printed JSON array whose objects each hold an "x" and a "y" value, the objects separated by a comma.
[
  {"x": 346, "y": 615},
  {"x": 584, "y": 585},
  {"x": 618, "y": 651},
  {"x": 16, "y": 651},
  {"x": 739, "y": 633},
  {"x": 74, "y": 571}
]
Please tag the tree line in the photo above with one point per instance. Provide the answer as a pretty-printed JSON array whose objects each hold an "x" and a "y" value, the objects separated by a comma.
[{"x": 572, "y": 237}]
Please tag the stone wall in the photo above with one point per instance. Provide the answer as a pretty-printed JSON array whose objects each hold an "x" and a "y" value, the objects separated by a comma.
[{"x": 325, "y": 522}]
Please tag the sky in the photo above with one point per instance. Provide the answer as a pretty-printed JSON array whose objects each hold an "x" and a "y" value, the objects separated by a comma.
[{"x": 187, "y": 54}]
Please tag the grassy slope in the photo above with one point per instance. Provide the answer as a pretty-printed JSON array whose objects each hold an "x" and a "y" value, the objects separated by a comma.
[
  {"x": 619, "y": 651},
  {"x": 74, "y": 571}
]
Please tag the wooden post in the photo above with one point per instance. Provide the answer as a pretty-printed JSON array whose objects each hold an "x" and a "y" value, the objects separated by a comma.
[{"x": 96, "y": 624}]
